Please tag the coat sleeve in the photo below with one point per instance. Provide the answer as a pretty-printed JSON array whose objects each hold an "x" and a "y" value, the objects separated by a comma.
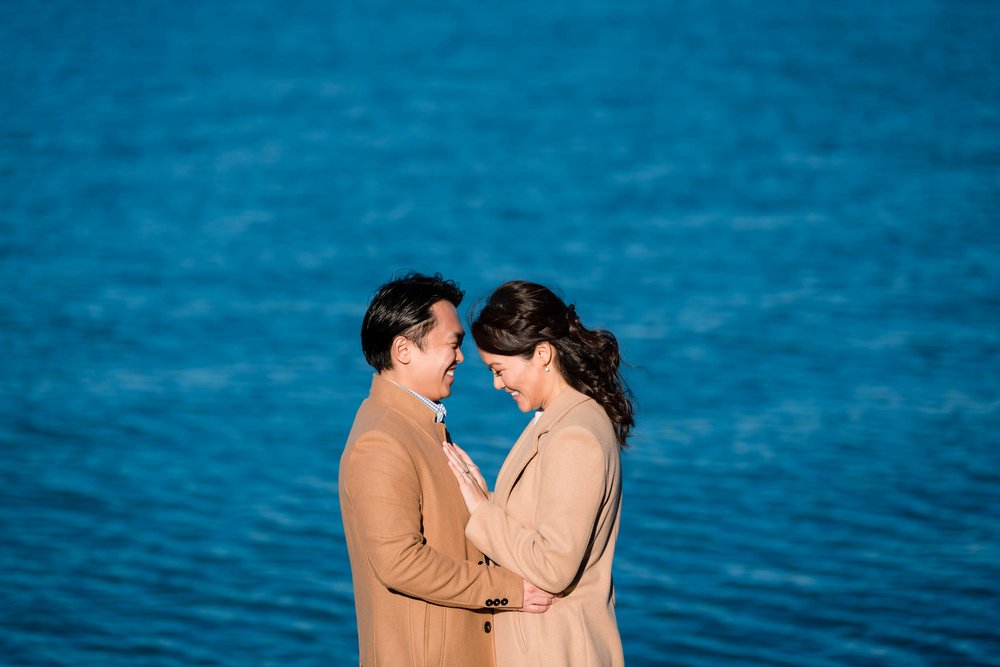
[
  {"x": 574, "y": 473},
  {"x": 383, "y": 495}
]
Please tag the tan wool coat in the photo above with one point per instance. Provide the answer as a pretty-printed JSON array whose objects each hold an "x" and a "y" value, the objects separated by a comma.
[
  {"x": 554, "y": 521},
  {"x": 422, "y": 593}
]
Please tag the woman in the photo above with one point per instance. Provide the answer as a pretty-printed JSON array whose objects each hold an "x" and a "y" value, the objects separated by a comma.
[{"x": 553, "y": 516}]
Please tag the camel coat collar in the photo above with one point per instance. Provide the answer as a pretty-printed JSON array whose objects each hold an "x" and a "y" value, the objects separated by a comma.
[
  {"x": 392, "y": 397},
  {"x": 526, "y": 447}
]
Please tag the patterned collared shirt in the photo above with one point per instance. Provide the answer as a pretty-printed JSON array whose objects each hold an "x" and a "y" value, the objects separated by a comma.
[{"x": 438, "y": 408}]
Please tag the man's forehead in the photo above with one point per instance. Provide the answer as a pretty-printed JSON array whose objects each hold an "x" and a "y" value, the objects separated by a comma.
[
  {"x": 448, "y": 324},
  {"x": 452, "y": 329},
  {"x": 445, "y": 308}
]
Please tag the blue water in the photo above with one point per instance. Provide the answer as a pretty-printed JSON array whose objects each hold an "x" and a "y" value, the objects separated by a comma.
[{"x": 788, "y": 212}]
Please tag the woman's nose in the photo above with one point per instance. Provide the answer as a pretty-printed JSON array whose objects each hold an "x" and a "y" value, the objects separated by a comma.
[{"x": 498, "y": 382}]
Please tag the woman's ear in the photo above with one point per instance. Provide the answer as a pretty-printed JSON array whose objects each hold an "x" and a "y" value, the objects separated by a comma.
[
  {"x": 544, "y": 353},
  {"x": 400, "y": 350}
]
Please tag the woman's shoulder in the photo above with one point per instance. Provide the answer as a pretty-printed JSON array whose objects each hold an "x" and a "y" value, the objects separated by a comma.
[{"x": 587, "y": 418}]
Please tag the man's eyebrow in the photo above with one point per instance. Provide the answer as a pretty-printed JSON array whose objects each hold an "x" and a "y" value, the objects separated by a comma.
[{"x": 455, "y": 334}]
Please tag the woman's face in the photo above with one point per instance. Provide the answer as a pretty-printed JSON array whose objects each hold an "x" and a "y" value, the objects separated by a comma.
[{"x": 524, "y": 379}]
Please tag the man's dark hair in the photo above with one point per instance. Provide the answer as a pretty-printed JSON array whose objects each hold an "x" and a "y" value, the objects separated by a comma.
[{"x": 402, "y": 307}]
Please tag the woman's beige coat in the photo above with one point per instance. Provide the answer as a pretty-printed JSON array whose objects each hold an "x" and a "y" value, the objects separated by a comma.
[
  {"x": 554, "y": 520},
  {"x": 422, "y": 593}
]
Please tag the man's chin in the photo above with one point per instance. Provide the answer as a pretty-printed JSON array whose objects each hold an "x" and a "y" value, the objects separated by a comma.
[{"x": 446, "y": 386}]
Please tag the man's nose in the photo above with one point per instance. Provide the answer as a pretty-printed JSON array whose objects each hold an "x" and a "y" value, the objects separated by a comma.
[{"x": 459, "y": 357}]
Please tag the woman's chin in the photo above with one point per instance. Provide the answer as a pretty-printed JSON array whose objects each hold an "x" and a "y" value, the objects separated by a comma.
[{"x": 522, "y": 404}]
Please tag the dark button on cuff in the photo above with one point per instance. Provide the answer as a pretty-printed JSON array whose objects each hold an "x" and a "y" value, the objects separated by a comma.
[
  {"x": 489, "y": 603},
  {"x": 496, "y": 602},
  {"x": 487, "y": 626},
  {"x": 503, "y": 603}
]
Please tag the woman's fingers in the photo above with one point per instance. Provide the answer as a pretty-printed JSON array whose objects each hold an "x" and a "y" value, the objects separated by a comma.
[
  {"x": 462, "y": 474},
  {"x": 464, "y": 456},
  {"x": 478, "y": 477},
  {"x": 471, "y": 482},
  {"x": 454, "y": 457},
  {"x": 472, "y": 493},
  {"x": 457, "y": 454}
]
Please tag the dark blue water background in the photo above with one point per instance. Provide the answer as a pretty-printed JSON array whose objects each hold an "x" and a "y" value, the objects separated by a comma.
[{"x": 788, "y": 212}]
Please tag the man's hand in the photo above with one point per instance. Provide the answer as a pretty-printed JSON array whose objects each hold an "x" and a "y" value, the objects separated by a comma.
[{"x": 536, "y": 601}]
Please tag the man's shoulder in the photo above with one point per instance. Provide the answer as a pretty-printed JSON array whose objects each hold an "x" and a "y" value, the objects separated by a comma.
[
  {"x": 380, "y": 439},
  {"x": 376, "y": 419}
]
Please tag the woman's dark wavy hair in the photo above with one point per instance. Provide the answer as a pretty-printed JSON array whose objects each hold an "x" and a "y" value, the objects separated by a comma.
[
  {"x": 519, "y": 315},
  {"x": 403, "y": 307}
]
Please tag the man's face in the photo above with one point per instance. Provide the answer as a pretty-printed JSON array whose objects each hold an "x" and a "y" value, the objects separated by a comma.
[{"x": 432, "y": 369}]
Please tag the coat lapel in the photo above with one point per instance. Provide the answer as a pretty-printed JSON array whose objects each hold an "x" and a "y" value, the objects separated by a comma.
[
  {"x": 390, "y": 397},
  {"x": 520, "y": 455},
  {"x": 526, "y": 447}
]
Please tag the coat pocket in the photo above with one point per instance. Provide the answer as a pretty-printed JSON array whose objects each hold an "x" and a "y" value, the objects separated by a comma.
[
  {"x": 434, "y": 634},
  {"x": 417, "y": 635},
  {"x": 519, "y": 639}
]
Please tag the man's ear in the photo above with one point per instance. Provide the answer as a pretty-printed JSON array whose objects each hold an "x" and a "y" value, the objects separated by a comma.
[{"x": 400, "y": 350}]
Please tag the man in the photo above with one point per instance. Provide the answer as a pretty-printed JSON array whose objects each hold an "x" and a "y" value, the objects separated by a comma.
[{"x": 424, "y": 594}]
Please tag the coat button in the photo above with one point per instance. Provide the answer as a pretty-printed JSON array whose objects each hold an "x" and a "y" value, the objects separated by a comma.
[
  {"x": 480, "y": 562},
  {"x": 489, "y": 603},
  {"x": 503, "y": 603},
  {"x": 487, "y": 626}
]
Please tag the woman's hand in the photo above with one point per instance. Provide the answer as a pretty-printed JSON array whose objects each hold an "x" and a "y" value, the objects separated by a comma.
[{"x": 470, "y": 479}]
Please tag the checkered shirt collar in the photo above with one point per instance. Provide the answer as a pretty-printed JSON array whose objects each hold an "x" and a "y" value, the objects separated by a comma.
[{"x": 438, "y": 408}]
